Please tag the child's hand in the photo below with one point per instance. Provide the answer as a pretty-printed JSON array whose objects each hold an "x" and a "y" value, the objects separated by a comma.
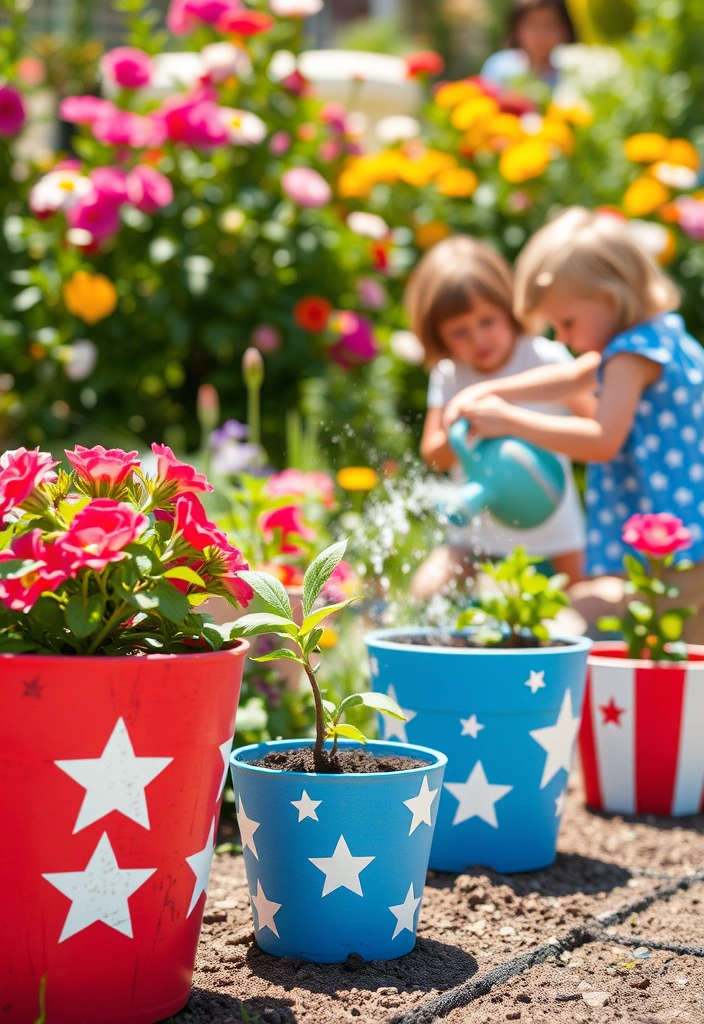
[
  {"x": 491, "y": 416},
  {"x": 462, "y": 402}
]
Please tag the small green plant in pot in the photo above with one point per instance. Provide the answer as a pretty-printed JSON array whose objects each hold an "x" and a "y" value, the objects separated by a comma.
[{"x": 336, "y": 831}]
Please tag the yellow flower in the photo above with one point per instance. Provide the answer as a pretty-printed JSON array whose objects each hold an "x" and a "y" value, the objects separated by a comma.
[
  {"x": 357, "y": 478},
  {"x": 92, "y": 297},
  {"x": 646, "y": 148},
  {"x": 473, "y": 110},
  {"x": 424, "y": 168},
  {"x": 644, "y": 196},
  {"x": 559, "y": 133},
  {"x": 457, "y": 182},
  {"x": 668, "y": 252},
  {"x": 682, "y": 153},
  {"x": 524, "y": 160},
  {"x": 428, "y": 235},
  {"x": 329, "y": 638},
  {"x": 580, "y": 113},
  {"x": 452, "y": 93},
  {"x": 505, "y": 126}
]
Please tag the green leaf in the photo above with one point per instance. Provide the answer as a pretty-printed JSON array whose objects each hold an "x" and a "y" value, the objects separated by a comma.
[
  {"x": 84, "y": 617},
  {"x": 641, "y": 612},
  {"x": 312, "y": 640},
  {"x": 312, "y": 620},
  {"x": 171, "y": 603},
  {"x": 263, "y": 622},
  {"x": 319, "y": 572},
  {"x": 182, "y": 572},
  {"x": 609, "y": 624},
  {"x": 281, "y": 652},
  {"x": 377, "y": 701},
  {"x": 144, "y": 600},
  {"x": 350, "y": 732},
  {"x": 270, "y": 590},
  {"x": 329, "y": 708},
  {"x": 468, "y": 617},
  {"x": 671, "y": 626},
  {"x": 541, "y": 632}
]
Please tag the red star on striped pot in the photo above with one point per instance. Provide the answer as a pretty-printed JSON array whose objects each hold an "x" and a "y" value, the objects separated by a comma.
[{"x": 611, "y": 712}]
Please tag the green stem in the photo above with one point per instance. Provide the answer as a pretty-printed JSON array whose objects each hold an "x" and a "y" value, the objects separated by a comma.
[
  {"x": 115, "y": 619},
  {"x": 319, "y": 716},
  {"x": 253, "y": 413}
]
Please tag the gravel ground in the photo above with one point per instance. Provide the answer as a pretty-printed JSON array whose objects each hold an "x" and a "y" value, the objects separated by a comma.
[{"x": 478, "y": 929}]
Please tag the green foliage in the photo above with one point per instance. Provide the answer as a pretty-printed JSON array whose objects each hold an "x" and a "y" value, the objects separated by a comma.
[
  {"x": 526, "y": 600},
  {"x": 306, "y": 643}
]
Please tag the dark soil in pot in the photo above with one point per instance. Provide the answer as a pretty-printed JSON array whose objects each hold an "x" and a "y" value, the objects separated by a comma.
[
  {"x": 436, "y": 638},
  {"x": 342, "y": 762}
]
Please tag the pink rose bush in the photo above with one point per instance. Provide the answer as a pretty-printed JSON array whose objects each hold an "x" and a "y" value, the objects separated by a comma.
[
  {"x": 653, "y": 623},
  {"x": 128, "y": 67},
  {"x": 110, "y": 559}
]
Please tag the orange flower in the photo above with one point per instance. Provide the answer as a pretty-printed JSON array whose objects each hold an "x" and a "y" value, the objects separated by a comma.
[
  {"x": 669, "y": 213},
  {"x": 329, "y": 638},
  {"x": 457, "y": 182},
  {"x": 91, "y": 297},
  {"x": 357, "y": 478},
  {"x": 524, "y": 160},
  {"x": 312, "y": 313},
  {"x": 452, "y": 93},
  {"x": 669, "y": 250},
  {"x": 579, "y": 114},
  {"x": 644, "y": 196},
  {"x": 682, "y": 153},
  {"x": 506, "y": 126},
  {"x": 559, "y": 133},
  {"x": 428, "y": 235},
  {"x": 646, "y": 148},
  {"x": 473, "y": 110}
]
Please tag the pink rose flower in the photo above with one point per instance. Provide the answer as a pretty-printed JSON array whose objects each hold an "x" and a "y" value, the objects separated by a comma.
[
  {"x": 103, "y": 469},
  {"x": 148, "y": 189},
  {"x": 656, "y": 534},
  {"x": 174, "y": 477},
  {"x": 280, "y": 143},
  {"x": 356, "y": 344},
  {"x": 48, "y": 571},
  {"x": 288, "y": 523},
  {"x": 193, "y": 119},
  {"x": 691, "y": 213},
  {"x": 306, "y": 187},
  {"x": 123, "y": 128},
  {"x": 99, "y": 533},
  {"x": 21, "y": 472},
  {"x": 266, "y": 338},
  {"x": 111, "y": 182},
  {"x": 335, "y": 116},
  {"x": 84, "y": 109},
  {"x": 97, "y": 214},
  {"x": 192, "y": 524},
  {"x": 184, "y": 16},
  {"x": 12, "y": 112},
  {"x": 128, "y": 67},
  {"x": 297, "y": 482}
]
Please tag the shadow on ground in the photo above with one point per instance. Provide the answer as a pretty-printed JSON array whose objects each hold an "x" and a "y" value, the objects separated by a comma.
[
  {"x": 217, "y": 1008},
  {"x": 693, "y": 822}
]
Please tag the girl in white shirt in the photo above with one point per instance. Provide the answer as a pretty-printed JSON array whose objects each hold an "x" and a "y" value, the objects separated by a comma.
[{"x": 459, "y": 302}]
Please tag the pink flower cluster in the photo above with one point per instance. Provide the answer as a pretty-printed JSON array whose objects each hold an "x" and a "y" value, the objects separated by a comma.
[
  {"x": 656, "y": 534},
  {"x": 297, "y": 482},
  {"x": 99, "y": 532},
  {"x": 12, "y": 112},
  {"x": 355, "y": 343}
]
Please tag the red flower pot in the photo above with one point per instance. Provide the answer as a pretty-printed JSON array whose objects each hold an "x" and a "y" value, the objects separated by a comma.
[
  {"x": 640, "y": 741},
  {"x": 111, "y": 775}
]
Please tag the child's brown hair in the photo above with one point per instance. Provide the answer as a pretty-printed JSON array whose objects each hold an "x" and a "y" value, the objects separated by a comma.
[{"x": 445, "y": 284}]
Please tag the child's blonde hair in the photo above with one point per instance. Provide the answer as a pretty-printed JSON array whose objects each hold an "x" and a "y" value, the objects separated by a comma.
[
  {"x": 446, "y": 283},
  {"x": 587, "y": 253}
]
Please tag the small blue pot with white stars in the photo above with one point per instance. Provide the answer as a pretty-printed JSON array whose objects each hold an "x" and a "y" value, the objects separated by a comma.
[
  {"x": 508, "y": 721},
  {"x": 336, "y": 864}
]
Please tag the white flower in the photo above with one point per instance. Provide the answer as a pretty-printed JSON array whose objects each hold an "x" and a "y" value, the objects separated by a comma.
[
  {"x": 689, "y": 435},
  {"x": 675, "y": 176},
  {"x": 223, "y": 60},
  {"x": 397, "y": 128},
  {"x": 659, "y": 481},
  {"x": 243, "y": 127},
  {"x": 673, "y": 458},
  {"x": 59, "y": 190},
  {"x": 368, "y": 225},
  {"x": 683, "y": 496},
  {"x": 407, "y": 347},
  {"x": 79, "y": 359},
  {"x": 680, "y": 396},
  {"x": 295, "y": 8},
  {"x": 651, "y": 238}
]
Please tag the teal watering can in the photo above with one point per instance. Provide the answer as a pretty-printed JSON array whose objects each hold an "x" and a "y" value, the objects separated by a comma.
[{"x": 520, "y": 485}]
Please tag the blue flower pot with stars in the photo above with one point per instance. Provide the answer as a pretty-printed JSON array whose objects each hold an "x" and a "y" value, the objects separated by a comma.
[
  {"x": 508, "y": 721},
  {"x": 336, "y": 864}
]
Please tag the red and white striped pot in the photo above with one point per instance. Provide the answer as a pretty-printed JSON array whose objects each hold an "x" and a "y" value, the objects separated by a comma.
[{"x": 641, "y": 741}]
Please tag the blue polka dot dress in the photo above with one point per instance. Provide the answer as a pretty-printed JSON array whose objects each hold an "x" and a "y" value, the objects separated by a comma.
[{"x": 661, "y": 466}]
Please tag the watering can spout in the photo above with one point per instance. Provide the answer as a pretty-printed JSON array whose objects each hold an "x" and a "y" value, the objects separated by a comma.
[{"x": 469, "y": 502}]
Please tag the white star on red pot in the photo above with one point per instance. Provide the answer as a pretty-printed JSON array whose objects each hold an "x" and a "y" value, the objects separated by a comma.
[
  {"x": 477, "y": 797},
  {"x": 266, "y": 910},
  {"x": 405, "y": 912},
  {"x": 558, "y": 740},
  {"x": 536, "y": 681},
  {"x": 225, "y": 751},
  {"x": 199, "y": 863},
  {"x": 471, "y": 727},
  {"x": 306, "y": 807},
  {"x": 100, "y": 892},
  {"x": 342, "y": 870},
  {"x": 394, "y": 728},
  {"x": 421, "y": 805},
  {"x": 248, "y": 826},
  {"x": 115, "y": 781}
]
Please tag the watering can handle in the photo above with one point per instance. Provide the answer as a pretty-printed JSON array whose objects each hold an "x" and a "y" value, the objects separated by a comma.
[{"x": 457, "y": 436}]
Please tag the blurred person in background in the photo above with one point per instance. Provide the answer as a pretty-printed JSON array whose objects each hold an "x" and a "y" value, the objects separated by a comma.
[{"x": 534, "y": 29}]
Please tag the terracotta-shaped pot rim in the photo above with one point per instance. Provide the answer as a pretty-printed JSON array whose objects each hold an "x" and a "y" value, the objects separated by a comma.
[
  {"x": 240, "y": 648},
  {"x": 605, "y": 652},
  {"x": 439, "y": 760},
  {"x": 567, "y": 645}
]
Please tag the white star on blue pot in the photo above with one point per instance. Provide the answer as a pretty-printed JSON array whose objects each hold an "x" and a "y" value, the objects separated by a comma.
[
  {"x": 394, "y": 728},
  {"x": 421, "y": 805},
  {"x": 248, "y": 826},
  {"x": 560, "y": 803},
  {"x": 471, "y": 727},
  {"x": 558, "y": 740},
  {"x": 536, "y": 681},
  {"x": 342, "y": 870},
  {"x": 405, "y": 912},
  {"x": 476, "y": 797},
  {"x": 306, "y": 807},
  {"x": 266, "y": 910}
]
